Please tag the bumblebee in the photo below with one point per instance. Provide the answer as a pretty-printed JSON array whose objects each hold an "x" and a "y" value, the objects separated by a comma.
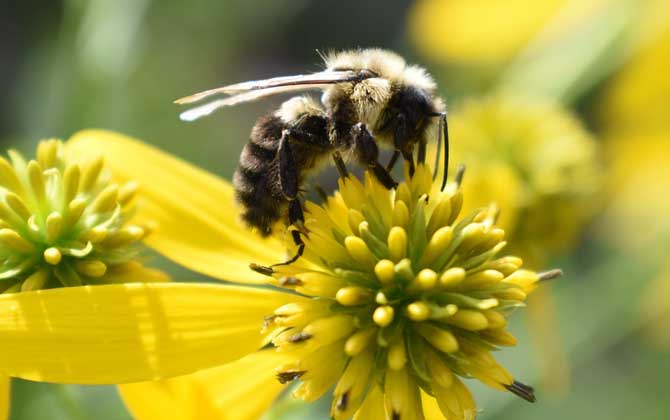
[{"x": 369, "y": 97}]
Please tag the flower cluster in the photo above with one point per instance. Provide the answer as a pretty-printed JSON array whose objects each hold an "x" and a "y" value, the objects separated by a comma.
[
  {"x": 62, "y": 223},
  {"x": 402, "y": 295}
]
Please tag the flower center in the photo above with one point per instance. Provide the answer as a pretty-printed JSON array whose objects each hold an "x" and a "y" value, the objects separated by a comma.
[
  {"x": 397, "y": 290},
  {"x": 62, "y": 223}
]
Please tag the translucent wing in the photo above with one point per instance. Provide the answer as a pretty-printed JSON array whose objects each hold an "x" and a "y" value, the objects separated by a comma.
[
  {"x": 304, "y": 80},
  {"x": 252, "y": 95}
]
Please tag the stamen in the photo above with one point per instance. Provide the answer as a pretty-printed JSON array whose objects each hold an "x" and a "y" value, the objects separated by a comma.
[
  {"x": 290, "y": 376},
  {"x": 299, "y": 337},
  {"x": 261, "y": 269},
  {"x": 550, "y": 275},
  {"x": 290, "y": 281},
  {"x": 342, "y": 401},
  {"x": 524, "y": 391}
]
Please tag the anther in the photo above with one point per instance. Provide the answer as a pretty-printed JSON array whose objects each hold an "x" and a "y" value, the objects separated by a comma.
[
  {"x": 261, "y": 269},
  {"x": 550, "y": 275},
  {"x": 342, "y": 402},
  {"x": 521, "y": 390},
  {"x": 290, "y": 281},
  {"x": 290, "y": 376},
  {"x": 299, "y": 337},
  {"x": 460, "y": 172}
]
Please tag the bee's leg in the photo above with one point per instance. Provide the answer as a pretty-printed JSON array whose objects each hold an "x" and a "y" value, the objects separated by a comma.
[
  {"x": 368, "y": 153},
  {"x": 339, "y": 164},
  {"x": 295, "y": 217},
  {"x": 400, "y": 140},
  {"x": 421, "y": 154},
  {"x": 288, "y": 181},
  {"x": 394, "y": 159}
]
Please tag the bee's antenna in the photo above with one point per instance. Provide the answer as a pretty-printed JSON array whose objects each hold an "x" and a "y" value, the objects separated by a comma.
[
  {"x": 445, "y": 138},
  {"x": 442, "y": 136}
]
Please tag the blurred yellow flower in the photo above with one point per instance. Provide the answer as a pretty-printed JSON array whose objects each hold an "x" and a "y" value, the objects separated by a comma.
[
  {"x": 397, "y": 298},
  {"x": 537, "y": 161},
  {"x": 636, "y": 216},
  {"x": 490, "y": 32},
  {"x": 635, "y": 118},
  {"x": 63, "y": 222},
  {"x": 655, "y": 310},
  {"x": 636, "y": 98}
]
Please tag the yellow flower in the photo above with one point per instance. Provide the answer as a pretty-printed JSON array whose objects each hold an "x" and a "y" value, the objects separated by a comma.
[
  {"x": 64, "y": 223},
  {"x": 635, "y": 99},
  {"x": 490, "y": 32},
  {"x": 537, "y": 161},
  {"x": 636, "y": 121},
  {"x": 394, "y": 300}
]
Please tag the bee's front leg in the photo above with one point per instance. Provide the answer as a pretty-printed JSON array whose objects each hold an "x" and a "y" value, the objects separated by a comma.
[{"x": 367, "y": 153}]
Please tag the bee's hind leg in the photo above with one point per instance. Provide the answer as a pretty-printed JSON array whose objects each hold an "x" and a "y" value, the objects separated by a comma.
[
  {"x": 288, "y": 181},
  {"x": 295, "y": 217}
]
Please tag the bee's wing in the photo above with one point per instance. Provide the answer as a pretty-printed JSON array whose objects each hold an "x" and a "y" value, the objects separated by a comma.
[
  {"x": 304, "y": 80},
  {"x": 252, "y": 95}
]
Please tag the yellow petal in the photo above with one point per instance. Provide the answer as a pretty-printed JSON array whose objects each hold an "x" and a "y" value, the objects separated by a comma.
[
  {"x": 373, "y": 406},
  {"x": 134, "y": 272},
  {"x": 157, "y": 400},
  {"x": 244, "y": 389},
  {"x": 129, "y": 332},
  {"x": 241, "y": 390},
  {"x": 194, "y": 212},
  {"x": 5, "y": 389},
  {"x": 431, "y": 410}
]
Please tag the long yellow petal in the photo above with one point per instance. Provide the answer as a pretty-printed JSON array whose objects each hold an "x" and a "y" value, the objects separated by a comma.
[
  {"x": 244, "y": 389},
  {"x": 5, "y": 393},
  {"x": 129, "y": 332},
  {"x": 373, "y": 406},
  {"x": 194, "y": 211},
  {"x": 241, "y": 390},
  {"x": 431, "y": 410}
]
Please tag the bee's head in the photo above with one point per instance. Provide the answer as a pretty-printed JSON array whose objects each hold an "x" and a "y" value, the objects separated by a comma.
[{"x": 371, "y": 96}]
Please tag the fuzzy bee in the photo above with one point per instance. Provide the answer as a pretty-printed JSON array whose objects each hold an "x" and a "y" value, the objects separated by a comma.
[{"x": 370, "y": 97}]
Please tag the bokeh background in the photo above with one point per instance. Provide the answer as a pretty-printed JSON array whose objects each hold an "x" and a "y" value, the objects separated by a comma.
[{"x": 559, "y": 108}]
